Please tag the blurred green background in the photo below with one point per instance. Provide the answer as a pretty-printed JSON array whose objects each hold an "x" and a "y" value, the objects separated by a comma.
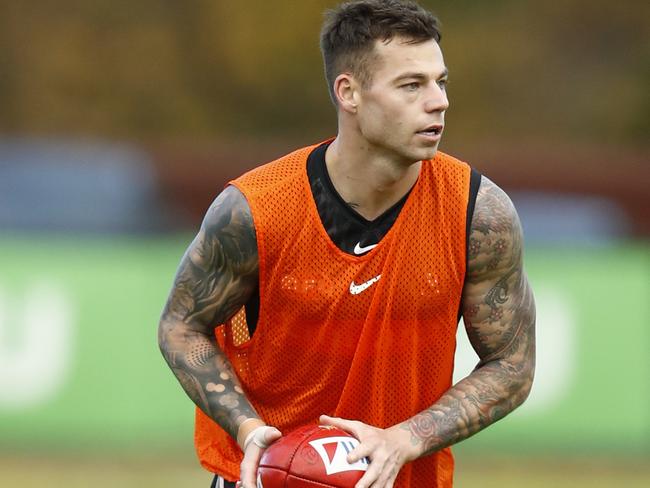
[{"x": 119, "y": 123}]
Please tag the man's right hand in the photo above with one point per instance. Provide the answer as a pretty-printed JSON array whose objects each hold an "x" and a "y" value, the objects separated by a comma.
[{"x": 256, "y": 440}]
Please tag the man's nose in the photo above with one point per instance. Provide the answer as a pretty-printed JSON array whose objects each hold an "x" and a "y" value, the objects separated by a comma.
[{"x": 437, "y": 100}]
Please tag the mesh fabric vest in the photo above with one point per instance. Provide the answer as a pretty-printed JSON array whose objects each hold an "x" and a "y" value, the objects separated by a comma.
[{"x": 369, "y": 338}]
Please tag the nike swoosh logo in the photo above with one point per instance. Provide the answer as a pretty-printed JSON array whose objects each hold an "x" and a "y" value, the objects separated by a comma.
[
  {"x": 362, "y": 250},
  {"x": 356, "y": 289}
]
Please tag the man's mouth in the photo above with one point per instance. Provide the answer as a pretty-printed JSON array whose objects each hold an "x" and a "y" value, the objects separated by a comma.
[{"x": 432, "y": 130}]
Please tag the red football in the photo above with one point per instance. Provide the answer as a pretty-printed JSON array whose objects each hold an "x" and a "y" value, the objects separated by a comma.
[{"x": 309, "y": 457}]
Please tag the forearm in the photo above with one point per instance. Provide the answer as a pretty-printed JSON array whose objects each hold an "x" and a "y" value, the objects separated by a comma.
[
  {"x": 499, "y": 316},
  {"x": 206, "y": 375},
  {"x": 485, "y": 396}
]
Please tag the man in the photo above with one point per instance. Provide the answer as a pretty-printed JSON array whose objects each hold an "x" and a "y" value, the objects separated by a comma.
[{"x": 336, "y": 275}]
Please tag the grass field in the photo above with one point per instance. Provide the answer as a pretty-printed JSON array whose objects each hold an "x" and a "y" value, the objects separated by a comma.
[{"x": 502, "y": 473}]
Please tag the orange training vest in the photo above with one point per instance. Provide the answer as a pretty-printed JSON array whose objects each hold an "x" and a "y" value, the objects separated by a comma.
[{"x": 369, "y": 338}]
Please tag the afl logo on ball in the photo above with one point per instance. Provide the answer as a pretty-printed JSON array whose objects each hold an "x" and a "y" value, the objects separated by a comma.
[{"x": 334, "y": 451}]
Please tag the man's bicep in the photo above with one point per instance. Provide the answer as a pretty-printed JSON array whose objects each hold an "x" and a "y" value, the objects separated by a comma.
[
  {"x": 498, "y": 306},
  {"x": 219, "y": 271},
  {"x": 216, "y": 277}
]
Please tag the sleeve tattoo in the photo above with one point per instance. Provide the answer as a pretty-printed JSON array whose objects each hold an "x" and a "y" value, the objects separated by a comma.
[
  {"x": 216, "y": 276},
  {"x": 499, "y": 314}
]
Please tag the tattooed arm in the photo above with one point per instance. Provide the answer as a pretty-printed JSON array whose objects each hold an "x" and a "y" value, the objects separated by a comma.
[
  {"x": 216, "y": 277},
  {"x": 499, "y": 315}
]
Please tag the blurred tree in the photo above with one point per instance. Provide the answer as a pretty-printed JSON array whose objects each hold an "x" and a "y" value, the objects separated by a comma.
[{"x": 572, "y": 71}]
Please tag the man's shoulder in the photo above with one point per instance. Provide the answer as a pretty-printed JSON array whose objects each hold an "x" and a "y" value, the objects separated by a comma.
[
  {"x": 449, "y": 160},
  {"x": 493, "y": 197},
  {"x": 296, "y": 158},
  {"x": 278, "y": 171},
  {"x": 449, "y": 172},
  {"x": 495, "y": 214}
]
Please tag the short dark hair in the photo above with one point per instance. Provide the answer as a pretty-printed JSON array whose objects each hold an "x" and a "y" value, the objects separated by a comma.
[{"x": 350, "y": 30}]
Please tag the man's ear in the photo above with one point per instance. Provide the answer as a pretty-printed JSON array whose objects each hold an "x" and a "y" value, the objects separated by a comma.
[{"x": 346, "y": 91}]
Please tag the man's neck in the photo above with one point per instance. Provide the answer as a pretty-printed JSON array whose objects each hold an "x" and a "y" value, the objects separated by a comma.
[{"x": 370, "y": 181}]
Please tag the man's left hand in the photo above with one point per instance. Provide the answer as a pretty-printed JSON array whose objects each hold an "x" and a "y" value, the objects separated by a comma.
[{"x": 388, "y": 450}]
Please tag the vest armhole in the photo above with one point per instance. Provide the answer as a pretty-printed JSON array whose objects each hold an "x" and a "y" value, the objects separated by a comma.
[
  {"x": 474, "y": 185},
  {"x": 253, "y": 311}
]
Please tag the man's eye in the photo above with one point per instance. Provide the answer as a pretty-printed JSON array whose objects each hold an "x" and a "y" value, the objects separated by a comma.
[
  {"x": 411, "y": 86},
  {"x": 443, "y": 83}
]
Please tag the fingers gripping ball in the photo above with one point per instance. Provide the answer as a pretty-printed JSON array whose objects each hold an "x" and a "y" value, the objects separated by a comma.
[{"x": 311, "y": 457}]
